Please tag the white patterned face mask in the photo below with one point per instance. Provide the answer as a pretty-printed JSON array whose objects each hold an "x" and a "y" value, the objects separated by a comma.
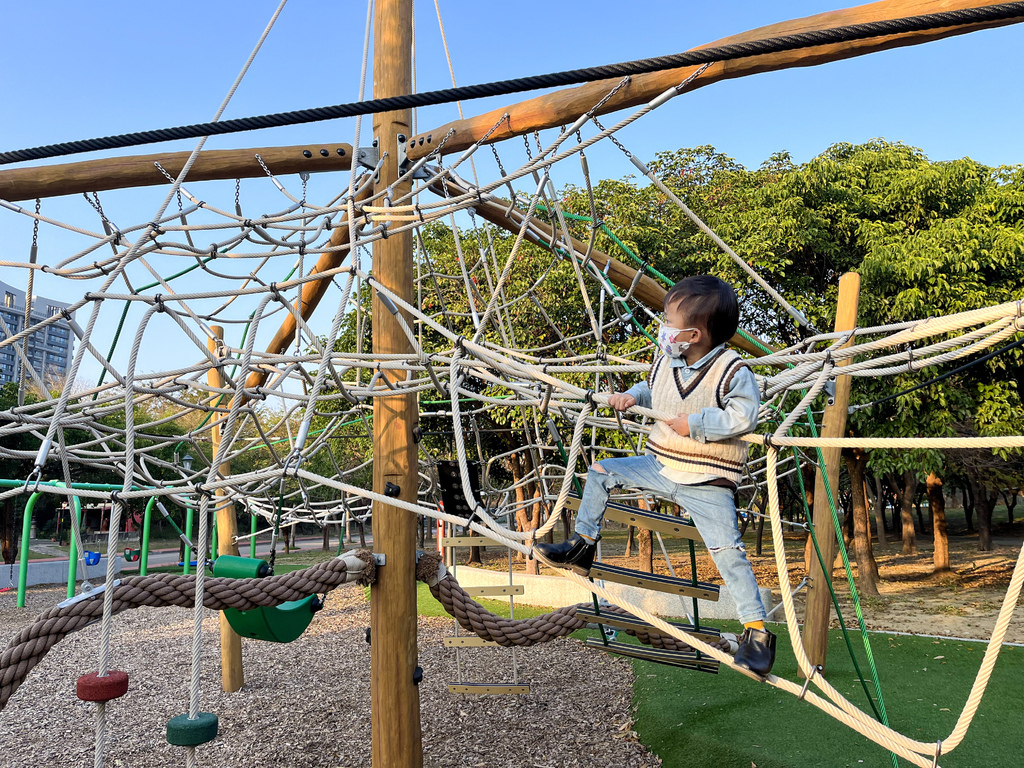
[{"x": 667, "y": 340}]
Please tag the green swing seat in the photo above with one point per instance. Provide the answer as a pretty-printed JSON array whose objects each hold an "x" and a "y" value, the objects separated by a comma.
[{"x": 279, "y": 624}]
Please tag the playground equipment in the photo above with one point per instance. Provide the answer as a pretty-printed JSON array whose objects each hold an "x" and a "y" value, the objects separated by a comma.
[
  {"x": 280, "y": 623},
  {"x": 326, "y": 385}
]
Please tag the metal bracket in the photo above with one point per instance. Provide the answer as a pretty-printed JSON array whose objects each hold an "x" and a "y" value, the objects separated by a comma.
[
  {"x": 380, "y": 558},
  {"x": 96, "y": 592},
  {"x": 368, "y": 157},
  {"x": 424, "y": 172}
]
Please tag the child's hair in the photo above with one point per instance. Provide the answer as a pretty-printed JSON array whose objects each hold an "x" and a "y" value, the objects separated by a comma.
[{"x": 708, "y": 302}]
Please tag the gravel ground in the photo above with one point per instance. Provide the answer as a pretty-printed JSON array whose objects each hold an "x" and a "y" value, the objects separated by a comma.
[{"x": 307, "y": 703}]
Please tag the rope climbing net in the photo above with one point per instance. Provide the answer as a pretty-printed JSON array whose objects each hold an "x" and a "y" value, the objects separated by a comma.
[{"x": 519, "y": 330}]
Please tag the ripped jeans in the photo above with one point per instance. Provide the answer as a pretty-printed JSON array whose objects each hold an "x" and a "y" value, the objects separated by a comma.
[{"x": 712, "y": 509}]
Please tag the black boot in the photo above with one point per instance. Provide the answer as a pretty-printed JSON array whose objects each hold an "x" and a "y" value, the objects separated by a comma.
[
  {"x": 756, "y": 653},
  {"x": 575, "y": 553}
]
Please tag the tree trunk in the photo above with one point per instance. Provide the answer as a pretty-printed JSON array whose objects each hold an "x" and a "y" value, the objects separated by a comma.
[
  {"x": 645, "y": 543},
  {"x": 880, "y": 511},
  {"x": 1010, "y": 499},
  {"x": 760, "y": 533},
  {"x": 984, "y": 502},
  {"x": 8, "y": 539},
  {"x": 525, "y": 518},
  {"x": 906, "y": 487},
  {"x": 629, "y": 540},
  {"x": 920, "y": 515},
  {"x": 968, "y": 494},
  {"x": 645, "y": 549},
  {"x": 867, "y": 569},
  {"x": 937, "y": 504},
  {"x": 326, "y": 544}
]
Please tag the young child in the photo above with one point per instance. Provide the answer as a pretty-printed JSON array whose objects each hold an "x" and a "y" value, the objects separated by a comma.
[{"x": 694, "y": 459}]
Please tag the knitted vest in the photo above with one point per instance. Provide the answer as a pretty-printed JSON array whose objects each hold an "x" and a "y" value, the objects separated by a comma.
[{"x": 706, "y": 388}]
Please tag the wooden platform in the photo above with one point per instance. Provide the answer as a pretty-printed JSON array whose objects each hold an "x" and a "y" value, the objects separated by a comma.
[
  {"x": 668, "y": 525},
  {"x": 681, "y": 659},
  {"x": 707, "y": 634},
  {"x": 654, "y": 581},
  {"x": 492, "y": 689}
]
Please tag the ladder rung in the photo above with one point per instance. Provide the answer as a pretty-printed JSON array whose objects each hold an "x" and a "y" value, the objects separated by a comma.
[
  {"x": 707, "y": 634},
  {"x": 466, "y": 641},
  {"x": 670, "y": 525},
  {"x": 487, "y": 688},
  {"x": 496, "y": 591},
  {"x": 654, "y": 581},
  {"x": 468, "y": 541},
  {"x": 683, "y": 659}
]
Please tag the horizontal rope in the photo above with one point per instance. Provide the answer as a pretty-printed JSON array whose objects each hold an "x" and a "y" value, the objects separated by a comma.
[{"x": 920, "y": 23}]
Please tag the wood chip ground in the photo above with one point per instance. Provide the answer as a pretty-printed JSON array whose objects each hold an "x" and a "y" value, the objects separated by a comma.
[{"x": 307, "y": 704}]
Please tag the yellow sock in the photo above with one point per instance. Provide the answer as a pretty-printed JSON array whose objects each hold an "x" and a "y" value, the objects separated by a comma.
[{"x": 754, "y": 625}]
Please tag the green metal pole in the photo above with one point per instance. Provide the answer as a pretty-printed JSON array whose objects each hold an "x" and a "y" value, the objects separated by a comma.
[
  {"x": 73, "y": 550},
  {"x": 213, "y": 545},
  {"x": 253, "y": 525},
  {"x": 147, "y": 523},
  {"x": 188, "y": 533},
  {"x": 26, "y": 533}
]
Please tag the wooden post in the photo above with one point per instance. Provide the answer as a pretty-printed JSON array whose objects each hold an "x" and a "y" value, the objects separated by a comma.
[
  {"x": 395, "y": 704},
  {"x": 819, "y": 605},
  {"x": 232, "y": 676}
]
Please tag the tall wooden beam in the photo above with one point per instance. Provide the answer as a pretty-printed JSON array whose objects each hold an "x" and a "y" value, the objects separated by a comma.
[
  {"x": 232, "y": 676},
  {"x": 819, "y": 606},
  {"x": 622, "y": 276},
  {"x": 141, "y": 171},
  {"x": 394, "y": 697},
  {"x": 562, "y": 107}
]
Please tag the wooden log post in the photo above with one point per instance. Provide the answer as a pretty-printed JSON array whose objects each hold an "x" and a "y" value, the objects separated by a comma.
[
  {"x": 819, "y": 606},
  {"x": 395, "y": 704},
  {"x": 232, "y": 676}
]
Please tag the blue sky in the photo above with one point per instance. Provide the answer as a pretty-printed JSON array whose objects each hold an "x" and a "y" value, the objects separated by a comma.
[{"x": 75, "y": 70}]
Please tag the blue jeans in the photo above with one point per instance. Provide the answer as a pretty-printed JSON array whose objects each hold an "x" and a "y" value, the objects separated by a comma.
[{"x": 712, "y": 509}]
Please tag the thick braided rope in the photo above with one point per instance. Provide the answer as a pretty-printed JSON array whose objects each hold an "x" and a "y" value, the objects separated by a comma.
[
  {"x": 32, "y": 643},
  {"x": 986, "y": 14},
  {"x": 473, "y": 617}
]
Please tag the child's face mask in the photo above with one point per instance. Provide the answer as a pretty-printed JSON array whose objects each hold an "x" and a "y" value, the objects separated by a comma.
[{"x": 667, "y": 340}]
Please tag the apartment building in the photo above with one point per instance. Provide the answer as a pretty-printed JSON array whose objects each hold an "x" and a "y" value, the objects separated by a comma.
[{"x": 49, "y": 350}]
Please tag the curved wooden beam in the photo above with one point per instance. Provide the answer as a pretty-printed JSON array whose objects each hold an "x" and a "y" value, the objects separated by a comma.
[
  {"x": 564, "y": 106},
  {"x": 141, "y": 171}
]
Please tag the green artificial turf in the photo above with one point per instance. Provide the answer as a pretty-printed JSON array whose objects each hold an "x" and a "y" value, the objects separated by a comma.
[{"x": 725, "y": 720}]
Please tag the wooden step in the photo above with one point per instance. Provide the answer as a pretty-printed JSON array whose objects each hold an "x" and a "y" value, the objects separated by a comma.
[
  {"x": 496, "y": 591},
  {"x": 468, "y": 541},
  {"x": 684, "y": 660},
  {"x": 654, "y": 581},
  {"x": 668, "y": 525},
  {"x": 466, "y": 641},
  {"x": 631, "y": 622},
  {"x": 487, "y": 688}
]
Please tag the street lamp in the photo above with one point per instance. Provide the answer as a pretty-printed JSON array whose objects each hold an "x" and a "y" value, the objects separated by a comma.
[{"x": 186, "y": 462}]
